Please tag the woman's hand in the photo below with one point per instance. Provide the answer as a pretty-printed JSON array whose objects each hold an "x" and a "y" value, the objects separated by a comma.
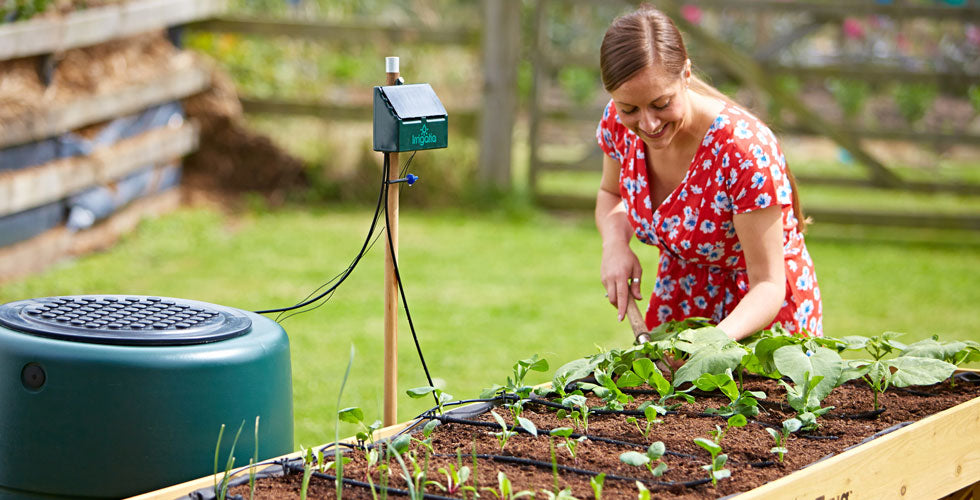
[{"x": 620, "y": 273}]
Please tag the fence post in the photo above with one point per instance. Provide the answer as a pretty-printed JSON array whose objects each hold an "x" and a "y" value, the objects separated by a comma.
[{"x": 501, "y": 52}]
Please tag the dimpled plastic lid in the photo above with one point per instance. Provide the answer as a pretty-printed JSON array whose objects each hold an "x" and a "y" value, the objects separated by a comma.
[{"x": 125, "y": 319}]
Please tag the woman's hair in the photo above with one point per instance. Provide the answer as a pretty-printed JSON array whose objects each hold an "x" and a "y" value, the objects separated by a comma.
[{"x": 647, "y": 37}]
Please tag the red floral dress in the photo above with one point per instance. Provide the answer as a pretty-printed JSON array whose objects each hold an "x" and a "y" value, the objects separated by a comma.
[{"x": 738, "y": 168}]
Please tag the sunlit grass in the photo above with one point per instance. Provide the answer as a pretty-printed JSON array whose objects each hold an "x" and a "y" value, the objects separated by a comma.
[{"x": 485, "y": 289}]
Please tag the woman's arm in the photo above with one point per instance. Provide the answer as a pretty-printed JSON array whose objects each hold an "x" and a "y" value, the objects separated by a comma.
[
  {"x": 761, "y": 234},
  {"x": 619, "y": 263}
]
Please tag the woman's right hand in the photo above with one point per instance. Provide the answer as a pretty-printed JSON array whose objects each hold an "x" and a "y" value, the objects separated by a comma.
[{"x": 620, "y": 273}]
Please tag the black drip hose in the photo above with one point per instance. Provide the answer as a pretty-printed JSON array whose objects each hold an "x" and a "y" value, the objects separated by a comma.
[
  {"x": 362, "y": 484},
  {"x": 585, "y": 472}
]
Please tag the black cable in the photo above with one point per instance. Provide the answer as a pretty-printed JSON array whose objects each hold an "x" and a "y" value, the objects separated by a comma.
[
  {"x": 398, "y": 279},
  {"x": 382, "y": 196}
]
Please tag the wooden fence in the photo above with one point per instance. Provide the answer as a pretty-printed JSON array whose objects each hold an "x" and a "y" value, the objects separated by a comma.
[
  {"x": 26, "y": 188},
  {"x": 755, "y": 69}
]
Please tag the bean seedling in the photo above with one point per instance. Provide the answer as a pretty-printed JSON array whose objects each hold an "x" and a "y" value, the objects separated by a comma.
[
  {"x": 779, "y": 437},
  {"x": 569, "y": 443},
  {"x": 596, "y": 483},
  {"x": 742, "y": 402},
  {"x": 713, "y": 446},
  {"x": 504, "y": 433},
  {"x": 653, "y": 454},
  {"x": 650, "y": 413},
  {"x": 441, "y": 397}
]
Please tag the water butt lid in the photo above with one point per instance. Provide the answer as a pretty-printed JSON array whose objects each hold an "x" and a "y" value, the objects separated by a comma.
[{"x": 125, "y": 320}]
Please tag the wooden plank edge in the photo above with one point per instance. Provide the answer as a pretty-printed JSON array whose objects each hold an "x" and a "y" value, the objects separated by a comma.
[
  {"x": 936, "y": 457},
  {"x": 46, "y": 249},
  {"x": 182, "y": 489},
  {"x": 101, "y": 24},
  {"x": 189, "y": 77},
  {"x": 34, "y": 186},
  {"x": 319, "y": 30}
]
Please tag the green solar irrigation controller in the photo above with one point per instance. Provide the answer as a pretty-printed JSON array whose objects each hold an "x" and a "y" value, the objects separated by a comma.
[{"x": 408, "y": 118}]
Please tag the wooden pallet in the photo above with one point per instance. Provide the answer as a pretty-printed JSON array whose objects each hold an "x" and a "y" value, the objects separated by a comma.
[
  {"x": 35, "y": 186},
  {"x": 92, "y": 26}
]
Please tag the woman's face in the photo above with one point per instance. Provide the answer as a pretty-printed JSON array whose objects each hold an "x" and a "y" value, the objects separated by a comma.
[{"x": 654, "y": 105}]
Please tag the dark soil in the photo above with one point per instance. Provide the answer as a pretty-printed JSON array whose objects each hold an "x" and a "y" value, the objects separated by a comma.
[{"x": 750, "y": 461}]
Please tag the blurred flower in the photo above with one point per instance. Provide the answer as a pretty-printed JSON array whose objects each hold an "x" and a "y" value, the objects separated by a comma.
[
  {"x": 692, "y": 13},
  {"x": 853, "y": 28}
]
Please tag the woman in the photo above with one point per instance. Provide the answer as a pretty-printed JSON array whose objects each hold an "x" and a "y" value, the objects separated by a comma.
[{"x": 689, "y": 171}]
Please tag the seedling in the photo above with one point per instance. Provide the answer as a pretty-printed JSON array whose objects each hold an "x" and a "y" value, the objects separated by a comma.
[
  {"x": 309, "y": 463},
  {"x": 608, "y": 391},
  {"x": 779, "y": 437},
  {"x": 742, "y": 402},
  {"x": 220, "y": 490},
  {"x": 254, "y": 460},
  {"x": 505, "y": 490},
  {"x": 713, "y": 446},
  {"x": 644, "y": 493},
  {"x": 644, "y": 371},
  {"x": 921, "y": 365},
  {"x": 596, "y": 483},
  {"x": 441, "y": 397},
  {"x": 565, "y": 494},
  {"x": 580, "y": 412},
  {"x": 568, "y": 442},
  {"x": 955, "y": 353},
  {"x": 455, "y": 479},
  {"x": 515, "y": 383},
  {"x": 504, "y": 433},
  {"x": 653, "y": 454},
  {"x": 650, "y": 413},
  {"x": 355, "y": 415}
]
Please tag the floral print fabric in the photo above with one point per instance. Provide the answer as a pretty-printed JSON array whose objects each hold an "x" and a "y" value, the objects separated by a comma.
[{"x": 738, "y": 168}]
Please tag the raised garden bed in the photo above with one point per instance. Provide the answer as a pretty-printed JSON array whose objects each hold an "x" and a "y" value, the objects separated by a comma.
[{"x": 918, "y": 444}]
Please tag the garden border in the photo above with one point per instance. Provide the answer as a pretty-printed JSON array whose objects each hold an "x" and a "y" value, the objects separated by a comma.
[{"x": 937, "y": 462}]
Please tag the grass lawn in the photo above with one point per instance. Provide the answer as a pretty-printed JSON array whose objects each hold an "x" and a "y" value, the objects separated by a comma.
[{"x": 485, "y": 290}]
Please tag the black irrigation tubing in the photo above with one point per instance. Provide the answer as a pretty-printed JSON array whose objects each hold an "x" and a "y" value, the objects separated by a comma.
[
  {"x": 362, "y": 484},
  {"x": 575, "y": 435},
  {"x": 585, "y": 472},
  {"x": 559, "y": 406}
]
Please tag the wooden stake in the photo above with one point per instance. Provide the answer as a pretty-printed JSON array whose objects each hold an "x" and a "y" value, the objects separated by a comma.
[{"x": 391, "y": 282}]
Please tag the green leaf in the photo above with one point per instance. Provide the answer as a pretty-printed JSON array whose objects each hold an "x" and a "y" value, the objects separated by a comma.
[
  {"x": 712, "y": 447},
  {"x": 778, "y": 449},
  {"x": 561, "y": 431},
  {"x": 791, "y": 425},
  {"x": 656, "y": 450},
  {"x": 645, "y": 368},
  {"x": 721, "y": 474},
  {"x": 644, "y": 493},
  {"x": 429, "y": 427},
  {"x": 721, "y": 381},
  {"x": 855, "y": 342},
  {"x": 712, "y": 359},
  {"x": 931, "y": 348},
  {"x": 720, "y": 461},
  {"x": 764, "y": 350},
  {"x": 795, "y": 364},
  {"x": 528, "y": 426},
  {"x": 401, "y": 443},
  {"x": 499, "y": 419},
  {"x": 774, "y": 433},
  {"x": 660, "y": 469},
  {"x": 540, "y": 365},
  {"x": 737, "y": 420},
  {"x": 629, "y": 379},
  {"x": 909, "y": 370},
  {"x": 634, "y": 458},
  {"x": 651, "y": 412},
  {"x": 576, "y": 369},
  {"x": 420, "y": 392},
  {"x": 491, "y": 391},
  {"x": 351, "y": 415}
]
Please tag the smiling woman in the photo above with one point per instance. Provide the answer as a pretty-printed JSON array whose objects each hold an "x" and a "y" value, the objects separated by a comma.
[{"x": 688, "y": 170}]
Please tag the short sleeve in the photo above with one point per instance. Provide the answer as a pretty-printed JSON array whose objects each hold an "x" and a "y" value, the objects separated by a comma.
[
  {"x": 756, "y": 168},
  {"x": 610, "y": 133}
]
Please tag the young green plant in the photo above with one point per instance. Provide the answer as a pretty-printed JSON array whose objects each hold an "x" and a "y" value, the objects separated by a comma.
[
  {"x": 713, "y": 446},
  {"x": 505, "y": 490},
  {"x": 779, "y": 437},
  {"x": 653, "y": 455},
  {"x": 568, "y": 442}
]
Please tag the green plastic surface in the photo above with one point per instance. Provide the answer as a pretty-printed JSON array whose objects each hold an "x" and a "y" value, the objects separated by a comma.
[{"x": 115, "y": 421}]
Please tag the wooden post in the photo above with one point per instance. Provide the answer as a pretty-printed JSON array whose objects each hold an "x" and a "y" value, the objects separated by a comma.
[
  {"x": 391, "y": 282},
  {"x": 501, "y": 52}
]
